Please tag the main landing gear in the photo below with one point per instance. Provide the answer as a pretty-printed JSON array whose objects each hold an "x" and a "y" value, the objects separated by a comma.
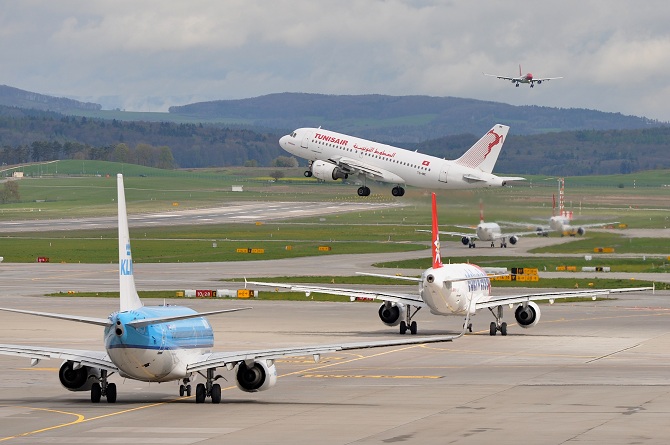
[
  {"x": 407, "y": 323},
  {"x": 398, "y": 191},
  {"x": 103, "y": 389},
  {"x": 364, "y": 191},
  {"x": 502, "y": 244},
  {"x": 209, "y": 388},
  {"x": 498, "y": 325}
]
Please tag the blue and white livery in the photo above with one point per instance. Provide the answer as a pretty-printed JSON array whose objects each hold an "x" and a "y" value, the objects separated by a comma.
[{"x": 165, "y": 343}]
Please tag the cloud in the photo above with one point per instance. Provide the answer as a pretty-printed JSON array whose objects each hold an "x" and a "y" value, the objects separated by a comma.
[{"x": 613, "y": 57}]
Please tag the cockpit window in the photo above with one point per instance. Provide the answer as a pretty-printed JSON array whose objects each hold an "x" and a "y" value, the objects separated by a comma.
[{"x": 293, "y": 134}]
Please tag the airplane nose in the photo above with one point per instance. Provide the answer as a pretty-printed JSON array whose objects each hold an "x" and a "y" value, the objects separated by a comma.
[{"x": 282, "y": 141}]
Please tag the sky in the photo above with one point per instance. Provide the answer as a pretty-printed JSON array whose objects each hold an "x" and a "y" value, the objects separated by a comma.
[{"x": 148, "y": 55}]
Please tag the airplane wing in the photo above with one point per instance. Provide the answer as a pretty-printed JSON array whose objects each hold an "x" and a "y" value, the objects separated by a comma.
[
  {"x": 544, "y": 79},
  {"x": 501, "y": 77},
  {"x": 471, "y": 235},
  {"x": 354, "y": 166},
  {"x": 230, "y": 359},
  {"x": 414, "y": 300},
  {"x": 96, "y": 359},
  {"x": 550, "y": 296}
]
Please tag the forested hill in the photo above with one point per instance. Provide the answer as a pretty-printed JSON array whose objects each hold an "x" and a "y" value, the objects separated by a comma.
[
  {"x": 404, "y": 118},
  {"x": 15, "y": 97},
  {"x": 31, "y": 135}
]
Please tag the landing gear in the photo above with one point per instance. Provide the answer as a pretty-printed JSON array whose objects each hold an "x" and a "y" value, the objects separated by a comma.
[
  {"x": 209, "y": 388},
  {"x": 363, "y": 191},
  {"x": 503, "y": 244},
  {"x": 103, "y": 389},
  {"x": 185, "y": 388},
  {"x": 472, "y": 245},
  {"x": 398, "y": 191},
  {"x": 308, "y": 173},
  {"x": 498, "y": 325},
  {"x": 408, "y": 324}
]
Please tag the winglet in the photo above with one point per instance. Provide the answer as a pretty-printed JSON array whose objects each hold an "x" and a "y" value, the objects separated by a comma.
[
  {"x": 129, "y": 299},
  {"x": 437, "y": 257}
]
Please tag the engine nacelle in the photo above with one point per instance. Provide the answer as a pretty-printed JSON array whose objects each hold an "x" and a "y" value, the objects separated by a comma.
[
  {"x": 80, "y": 379},
  {"x": 513, "y": 240},
  {"x": 258, "y": 377},
  {"x": 465, "y": 240},
  {"x": 581, "y": 231},
  {"x": 327, "y": 172},
  {"x": 392, "y": 314},
  {"x": 528, "y": 316}
]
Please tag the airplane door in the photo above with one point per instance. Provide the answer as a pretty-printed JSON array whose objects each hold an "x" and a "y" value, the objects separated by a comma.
[
  {"x": 443, "y": 173},
  {"x": 305, "y": 141}
]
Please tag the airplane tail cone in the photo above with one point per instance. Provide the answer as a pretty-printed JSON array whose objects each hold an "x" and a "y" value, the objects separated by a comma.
[
  {"x": 437, "y": 256},
  {"x": 127, "y": 292}
]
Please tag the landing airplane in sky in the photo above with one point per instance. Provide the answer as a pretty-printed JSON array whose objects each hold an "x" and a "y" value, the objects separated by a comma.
[
  {"x": 334, "y": 156},
  {"x": 451, "y": 289},
  {"x": 166, "y": 343},
  {"x": 486, "y": 231},
  {"x": 524, "y": 78}
]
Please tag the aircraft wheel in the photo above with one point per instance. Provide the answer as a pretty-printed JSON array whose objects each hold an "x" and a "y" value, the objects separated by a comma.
[
  {"x": 503, "y": 328},
  {"x": 403, "y": 327},
  {"x": 216, "y": 393},
  {"x": 200, "y": 393},
  {"x": 470, "y": 327},
  {"x": 182, "y": 390},
  {"x": 96, "y": 393},
  {"x": 188, "y": 390},
  {"x": 308, "y": 174},
  {"x": 111, "y": 393},
  {"x": 493, "y": 329},
  {"x": 363, "y": 191},
  {"x": 413, "y": 328},
  {"x": 395, "y": 191}
]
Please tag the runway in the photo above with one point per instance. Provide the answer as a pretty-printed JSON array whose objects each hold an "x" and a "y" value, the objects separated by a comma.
[{"x": 591, "y": 372}]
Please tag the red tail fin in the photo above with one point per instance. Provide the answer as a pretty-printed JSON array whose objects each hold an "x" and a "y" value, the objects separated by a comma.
[{"x": 437, "y": 257}]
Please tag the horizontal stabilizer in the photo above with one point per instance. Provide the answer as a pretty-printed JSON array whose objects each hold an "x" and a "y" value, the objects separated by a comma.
[{"x": 157, "y": 320}]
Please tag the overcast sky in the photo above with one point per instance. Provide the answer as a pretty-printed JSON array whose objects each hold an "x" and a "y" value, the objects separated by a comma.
[{"x": 148, "y": 55}]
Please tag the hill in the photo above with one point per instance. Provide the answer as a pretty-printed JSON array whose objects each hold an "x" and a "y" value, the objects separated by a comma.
[
  {"x": 14, "y": 97},
  {"x": 404, "y": 118}
]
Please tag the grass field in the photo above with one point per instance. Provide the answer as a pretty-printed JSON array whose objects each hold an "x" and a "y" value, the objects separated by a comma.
[{"x": 70, "y": 189}]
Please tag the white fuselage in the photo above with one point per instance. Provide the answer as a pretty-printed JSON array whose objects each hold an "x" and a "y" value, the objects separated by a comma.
[
  {"x": 488, "y": 231},
  {"x": 446, "y": 297},
  {"x": 406, "y": 167}
]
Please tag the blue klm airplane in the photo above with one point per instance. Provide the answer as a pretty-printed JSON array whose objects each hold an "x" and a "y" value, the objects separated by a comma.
[{"x": 166, "y": 343}]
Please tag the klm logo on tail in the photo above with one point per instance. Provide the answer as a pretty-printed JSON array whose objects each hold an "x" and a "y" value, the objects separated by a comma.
[{"x": 126, "y": 265}]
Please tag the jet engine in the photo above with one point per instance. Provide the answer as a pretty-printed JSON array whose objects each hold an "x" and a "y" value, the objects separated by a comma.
[
  {"x": 513, "y": 239},
  {"x": 391, "y": 314},
  {"x": 528, "y": 316},
  {"x": 327, "y": 172},
  {"x": 80, "y": 379},
  {"x": 257, "y": 377},
  {"x": 465, "y": 240}
]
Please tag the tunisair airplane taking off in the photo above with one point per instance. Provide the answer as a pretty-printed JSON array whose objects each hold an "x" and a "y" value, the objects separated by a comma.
[
  {"x": 452, "y": 290},
  {"x": 334, "y": 156},
  {"x": 166, "y": 343}
]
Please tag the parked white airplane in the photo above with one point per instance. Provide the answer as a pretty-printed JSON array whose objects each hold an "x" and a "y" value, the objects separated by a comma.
[
  {"x": 524, "y": 78},
  {"x": 334, "y": 156},
  {"x": 486, "y": 232},
  {"x": 451, "y": 289},
  {"x": 165, "y": 343},
  {"x": 562, "y": 222}
]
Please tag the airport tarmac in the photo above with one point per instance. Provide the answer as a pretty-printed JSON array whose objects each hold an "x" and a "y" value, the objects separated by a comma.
[{"x": 594, "y": 372}]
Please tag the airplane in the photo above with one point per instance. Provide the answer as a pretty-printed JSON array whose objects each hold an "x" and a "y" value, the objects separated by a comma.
[
  {"x": 334, "y": 156},
  {"x": 486, "y": 231},
  {"x": 451, "y": 290},
  {"x": 524, "y": 78},
  {"x": 166, "y": 343},
  {"x": 562, "y": 222}
]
